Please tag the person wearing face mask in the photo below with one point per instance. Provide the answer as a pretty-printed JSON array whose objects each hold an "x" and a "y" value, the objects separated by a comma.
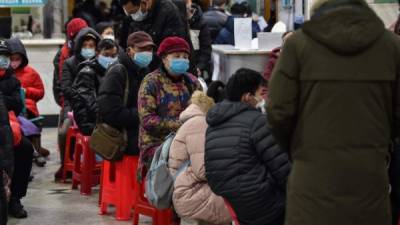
[
  {"x": 243, "y": 162},
  {"x": 132, "y": 65},
  {"x": 84, "y": 49},
  {"x": 10, "y": 87},
  {"x": 163, "y": 95},
  {"x": 106, "y": 30},
  {"x": 201, "y": 40},
  {"x": 33, "y": 88},
  {"x": 159, "y": 18},
  {"x": 87, "y": 83}
]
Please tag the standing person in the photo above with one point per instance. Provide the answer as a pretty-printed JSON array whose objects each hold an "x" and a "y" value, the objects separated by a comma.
[
  {"x": 106, "y": 30},
  {"x": 193, "y": 199},
  {"x": 10, "y": 87},
  {"x": 159, "y": 18},
  {"x": 6, "y": 160},
  {"x": 84, "y": 49},
  {"x": 337, "y": 113},
  {"x": 86, "y": 85},
  {"x": 243, "y": 163},
  {"x": 201, "y": 40},
  {"x": 216, "y": 17},
  {"x": 112, "y": 110},
  {"x": 33, "y": 88},
  {"x": 163, "y": 95}
]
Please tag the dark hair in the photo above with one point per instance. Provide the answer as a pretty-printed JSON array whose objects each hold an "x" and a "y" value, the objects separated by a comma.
[
  {"x": 242, "y": 82},
  {"x": 219, "y": 2},
  {"x": 216, "y": 90},
  {"x": 239, "y": 9},
  {"x": 134, "y": 2},
  {"x": 100, "y": 27},
  {"x": 106, "y": 44}
]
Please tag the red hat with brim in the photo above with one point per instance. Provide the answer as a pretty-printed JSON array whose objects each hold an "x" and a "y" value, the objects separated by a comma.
[{"x": 173, "y": 44}]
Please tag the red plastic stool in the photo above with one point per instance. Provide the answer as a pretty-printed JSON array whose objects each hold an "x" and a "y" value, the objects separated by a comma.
[
  {"x": 232, "y": 212},
  {"x": 142, "y": 207},
  {"x": 69, "y": 152},
  {"x": 86, "y": 169},
  {"x": 118, "y": 187}
]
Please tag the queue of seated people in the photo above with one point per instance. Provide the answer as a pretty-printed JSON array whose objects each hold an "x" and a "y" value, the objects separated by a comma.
[
  {"x": 21, "y": 88},
  {"x": 103, "y": 83}
]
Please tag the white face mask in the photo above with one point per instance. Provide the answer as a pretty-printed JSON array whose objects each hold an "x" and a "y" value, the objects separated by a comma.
[
  {"x": 111, "y": 37},
  {"x": 261, "y": 105},
  {"x": 139, "y": 15}
]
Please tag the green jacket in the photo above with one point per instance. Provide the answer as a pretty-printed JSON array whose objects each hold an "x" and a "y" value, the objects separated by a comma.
[{"x": 334, "y": 104}]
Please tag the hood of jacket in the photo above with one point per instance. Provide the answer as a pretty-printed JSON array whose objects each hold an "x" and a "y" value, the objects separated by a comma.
[
  {"x": 16, "y": 47},
  {"x": 226, "y": 110},
  {"x": 191, "y": 111},
  {"x": 198, "y": 14},
  {"x": 78, "y": 42},
  {"x": 344, "y": 26}
]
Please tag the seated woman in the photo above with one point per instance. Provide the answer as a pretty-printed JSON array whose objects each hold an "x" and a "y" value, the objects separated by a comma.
[
  {"x": 32, "y": 86},
  {"x": 193, "y": 199},
  {"x": 163, "y": 95}
]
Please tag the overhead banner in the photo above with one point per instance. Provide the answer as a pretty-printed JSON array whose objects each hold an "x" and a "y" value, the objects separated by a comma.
[{"x": 22, "y": 3}]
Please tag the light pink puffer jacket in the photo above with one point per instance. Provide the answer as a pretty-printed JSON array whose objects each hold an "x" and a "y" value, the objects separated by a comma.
[{"x": 192, "y": 196}]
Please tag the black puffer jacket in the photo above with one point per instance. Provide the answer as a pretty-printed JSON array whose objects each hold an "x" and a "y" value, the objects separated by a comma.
[
  {"x": 244, "y": 164},
  {"x": 201, "y": 40},
  {"x": 85, "y": 89},
  {"x": 71, "y": 66},
  {"x": 164, "y": 20},
  {"x": 110, "y": 100},
  {"x": 215, "y": 19},
  {"x": 11, "y": 89},
  {"x": 6, "y": 140}
]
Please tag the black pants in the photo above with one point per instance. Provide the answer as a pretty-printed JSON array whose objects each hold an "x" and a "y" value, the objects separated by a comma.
[
  {"x": 3, "y": 202},
  {"x": 23, "y": 155}
]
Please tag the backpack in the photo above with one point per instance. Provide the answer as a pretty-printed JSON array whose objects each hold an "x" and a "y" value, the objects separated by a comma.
[{"x": 159, "y": 181}]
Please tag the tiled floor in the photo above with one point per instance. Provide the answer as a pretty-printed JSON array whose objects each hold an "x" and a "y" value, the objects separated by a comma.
[{"x": 50, "y": 203}]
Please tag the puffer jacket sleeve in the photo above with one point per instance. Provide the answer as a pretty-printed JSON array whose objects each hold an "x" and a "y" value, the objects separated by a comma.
[
  {"x": 6, "y": 140},
  {"x": 274, "y": 158},
  {"x": 110, "y": 100},
  {"x": 13, "y": 100},
  {"x": 147, "y": 107},
  {"x": 178, "y": 152},
  {"x": 205, "y": 47},
  {"x": 36, "y": 89},
  {"x": 84, "y": 100},
  {"x": 67, "y": 78},
  {"x": 283, "y": 94}
]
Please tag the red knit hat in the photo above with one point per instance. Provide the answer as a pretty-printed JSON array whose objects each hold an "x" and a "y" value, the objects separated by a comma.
[
  {"x": 173, "y": 44},
  {"x": 74, "y": 26}
]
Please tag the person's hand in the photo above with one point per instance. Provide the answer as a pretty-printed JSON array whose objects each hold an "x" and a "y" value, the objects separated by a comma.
[{"x": 199, "y": 73}]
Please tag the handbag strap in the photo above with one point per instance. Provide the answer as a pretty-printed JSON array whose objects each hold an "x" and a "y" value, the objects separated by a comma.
[{"x": 126, "y": 91}]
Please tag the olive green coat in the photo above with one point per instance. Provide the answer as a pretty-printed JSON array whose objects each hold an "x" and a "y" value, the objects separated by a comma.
[{"x": 333, "y": 104}]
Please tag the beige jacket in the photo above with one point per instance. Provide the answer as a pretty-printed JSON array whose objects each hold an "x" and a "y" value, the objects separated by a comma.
[{"x": 192, "y": 196}]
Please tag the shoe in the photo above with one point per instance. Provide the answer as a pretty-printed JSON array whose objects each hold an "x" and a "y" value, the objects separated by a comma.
[
  {"x": 40, "y": 161},
  {"x": 16, "y": 209},
  {"x": 44, "y": 152},
  {"x": 58, "y": 175}
]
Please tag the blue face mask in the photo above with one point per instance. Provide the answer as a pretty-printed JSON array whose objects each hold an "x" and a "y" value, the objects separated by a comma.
[
  {"x": 178, "y": 66},
  {"x": 4, "y": 62},
  {"x": 105, "y": 61},
  {"x": 143, "y": 59},
  {"x": 88, "y": 53},
  {"x": 139, "y": 15}
]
